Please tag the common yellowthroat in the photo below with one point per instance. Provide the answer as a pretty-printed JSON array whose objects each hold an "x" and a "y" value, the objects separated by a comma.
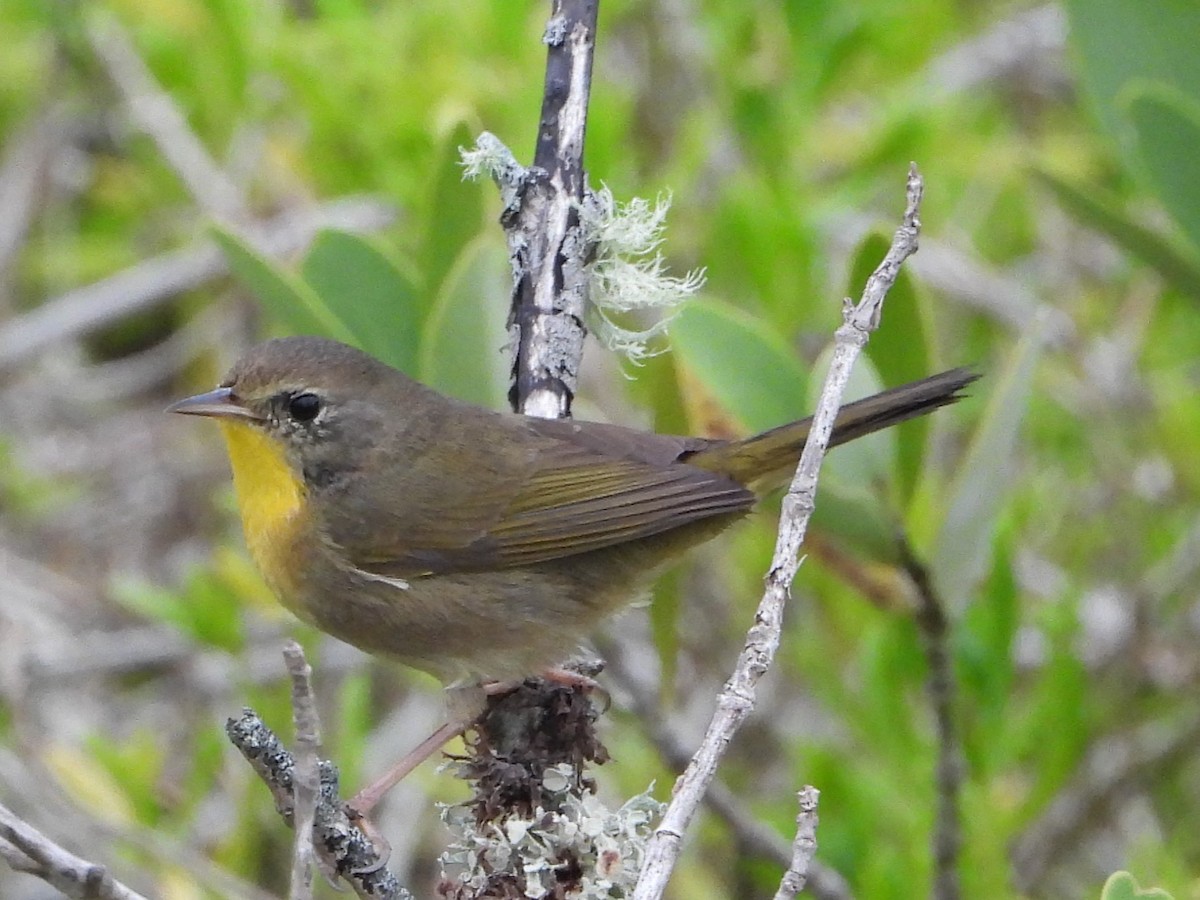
[{"x": 468, "y": 543}]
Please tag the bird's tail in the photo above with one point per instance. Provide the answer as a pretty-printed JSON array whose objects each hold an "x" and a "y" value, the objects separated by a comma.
[{"x": 766, "y": 460}]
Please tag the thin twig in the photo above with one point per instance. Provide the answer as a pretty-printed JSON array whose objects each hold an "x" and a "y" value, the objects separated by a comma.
[
  {"x": 935, "y": 630},
  {"x": 962, "y": 276},
  {"x": 28, "y": 850},
  {"x": 156, "y": 113},
  {"x": 152, "y": 282},
  {"x": 306, "y": 781},
  {"x": 1105, "y": 777},
  {"x": 30, "y": 152},
  {"x": 736, "y": 700},
  {"x": 756, "y": 837},
  {"x": 804, "y": 846}
]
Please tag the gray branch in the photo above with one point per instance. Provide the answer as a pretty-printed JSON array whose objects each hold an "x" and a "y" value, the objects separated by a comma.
[
  {"x": 28, "y": 850},
  {"x": 804, "y": 846},
  {"x": 344, "y": 850},
  {"x": 549, "y": 252},
  {"x": 306, "y": 780},
  {"x": 737, "y": 699},
  {"x": 156, "y": 281}
]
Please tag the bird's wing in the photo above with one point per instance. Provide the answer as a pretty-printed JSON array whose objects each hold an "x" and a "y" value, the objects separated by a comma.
[{"x": 574, "y": 500}]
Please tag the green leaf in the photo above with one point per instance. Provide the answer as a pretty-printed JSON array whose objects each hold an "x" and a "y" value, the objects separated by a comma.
[
  {"x": 463, "y": 338},
  {"x": 745, "y": 365},
  {"x": 984, "y": 657},
  {"x": 857, "y": 479},
  {"x": 1104, "y": 213},
  {"x": 962, "y": 550},
  {"x": 201, "y": 608},
  {"x": 376, "y": 300},
  {"x": 287, "y": 299},
  {"x": 665, "y": 612},
  {"x": 456, "y": 208},
  {"x": 1168, "y": 139},
  {"x": 1123, "y": 886},
  {"x": 1118, "y": 42},
  {"x": 901, "y": 352}
]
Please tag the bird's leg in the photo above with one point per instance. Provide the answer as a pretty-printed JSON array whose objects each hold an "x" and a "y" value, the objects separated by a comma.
[
  {"x": 465, "y": 703},
  {"x": 366, "y": 799},
  {"x": 360, "y": 805}
]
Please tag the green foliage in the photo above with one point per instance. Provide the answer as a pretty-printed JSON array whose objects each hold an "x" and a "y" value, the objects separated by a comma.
[
  {"x": 983, "y": 479},
  {"x": 205, "y": 608},
  {"x": 903, "y": 351},
  {"x": 1143, "y": 79},
  {"x": 1168, "y": 132},
  {"x": 357, "y": 280},
  {"x": 783, "y": 132},
  {"x": 349, "y": 289},
  {"x": 287, "y": 298},
  {"x": 463, "y": 338},
  {"x": 1123, "y": 886},
  {"x": 738, "y": 363}
]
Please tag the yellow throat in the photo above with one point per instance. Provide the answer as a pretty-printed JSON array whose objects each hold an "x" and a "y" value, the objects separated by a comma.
[{"x": 269, "y": 497}]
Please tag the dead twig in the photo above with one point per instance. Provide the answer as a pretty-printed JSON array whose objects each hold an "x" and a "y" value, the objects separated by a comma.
[
  {"x": 28, "y": 850},
  {"x": 736, "y": 700},
  {"x": 804, "y": 845}
]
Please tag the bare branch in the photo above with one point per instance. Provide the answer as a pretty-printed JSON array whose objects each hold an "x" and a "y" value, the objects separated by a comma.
[
  {"x": 548, "y": 251},
  {"x": 306, "y": 782},
  {"x": 155, "y": 112},
  {"x": 28, "y": 850},
  {"x": 804, "y": 846},
  {"x": 736, "y": 700},
  {"x": 758, "y": 838},
  {"x": 940, "y": 686},
  {"x": 155, "y": 281},
  {"x": 343, "y": 848}
]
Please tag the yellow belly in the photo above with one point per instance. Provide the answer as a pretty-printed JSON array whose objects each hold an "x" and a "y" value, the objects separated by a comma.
[{"x": 270, "y": 498}]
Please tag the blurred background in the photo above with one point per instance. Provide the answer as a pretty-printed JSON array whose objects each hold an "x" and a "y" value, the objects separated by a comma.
[{"x": 180, "y": 178}]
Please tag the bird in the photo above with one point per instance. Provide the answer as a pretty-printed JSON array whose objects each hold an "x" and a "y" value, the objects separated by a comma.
[{"x": 474, "y": 545}]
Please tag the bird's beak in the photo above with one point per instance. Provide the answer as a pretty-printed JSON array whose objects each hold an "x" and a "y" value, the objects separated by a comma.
[{"x": 219, "y": 403}]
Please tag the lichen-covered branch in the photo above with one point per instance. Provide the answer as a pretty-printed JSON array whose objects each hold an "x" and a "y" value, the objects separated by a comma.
[
  {"x": 533, "y": 826},
  {"x": 344, "y": 850}
]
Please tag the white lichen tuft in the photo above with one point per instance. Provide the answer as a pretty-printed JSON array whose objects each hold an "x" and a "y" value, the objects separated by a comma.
[
  {"x": 628, "y": 271},
  {"x": 608, "y": 845},
  {"x": 492, "y": 158}
]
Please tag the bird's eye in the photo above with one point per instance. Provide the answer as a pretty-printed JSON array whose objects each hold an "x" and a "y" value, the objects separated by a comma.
[{"x": 304, "y": 407}]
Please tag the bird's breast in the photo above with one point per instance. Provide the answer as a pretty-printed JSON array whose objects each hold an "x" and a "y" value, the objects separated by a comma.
[{"x": 271, "y": 501}]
